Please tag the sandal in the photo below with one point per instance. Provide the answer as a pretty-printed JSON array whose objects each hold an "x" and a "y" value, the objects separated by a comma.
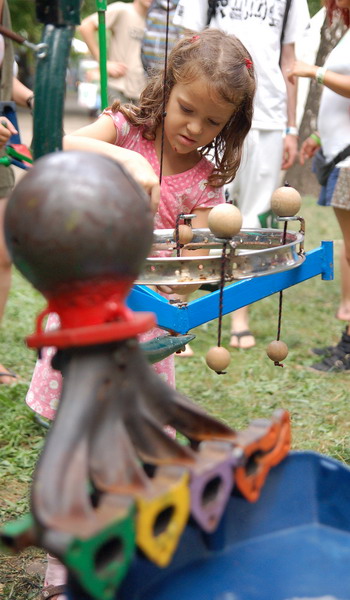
[
  {"x": 52, "y": 590},
  {"x": 239, "y": 335},
  {"x": 6, "y": 373}
]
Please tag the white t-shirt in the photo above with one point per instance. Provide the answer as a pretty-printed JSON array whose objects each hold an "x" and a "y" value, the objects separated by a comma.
[
  {"x": 334, "y": 113},
  {"x": 127, "y": 28},
  {"x": 258, "y": 24}
]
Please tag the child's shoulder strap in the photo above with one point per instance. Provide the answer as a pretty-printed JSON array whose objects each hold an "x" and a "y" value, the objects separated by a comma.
[{"x": 285, "y": 19}]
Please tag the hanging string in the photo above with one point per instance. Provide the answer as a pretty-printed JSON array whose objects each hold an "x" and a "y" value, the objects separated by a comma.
[
  {"x": 164, "y": 91},
  {"x": 221, "y": 292},
  {"x": 284, "y": 236}
]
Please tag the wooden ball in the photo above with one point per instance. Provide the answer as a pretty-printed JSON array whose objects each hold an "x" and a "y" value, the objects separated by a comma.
[
  {"x": 218, "y": 358},
  {"x": 185, "y": 234},
  {"x": 277, "y": 350},
  {"x": 225, "y": 220},
  {"x": 286, "y": 201}
]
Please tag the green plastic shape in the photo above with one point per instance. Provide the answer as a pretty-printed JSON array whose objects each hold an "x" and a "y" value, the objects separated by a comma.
[{"x": 100, "y": 562}]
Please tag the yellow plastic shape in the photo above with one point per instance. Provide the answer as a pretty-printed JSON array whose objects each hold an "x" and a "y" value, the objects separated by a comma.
[{"x": 161, "y": 521}]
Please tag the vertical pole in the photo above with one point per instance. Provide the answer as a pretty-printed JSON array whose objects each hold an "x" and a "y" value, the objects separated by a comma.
[
  {"x": 59, "y": 18},
  {"x": 101, "y": 6}
]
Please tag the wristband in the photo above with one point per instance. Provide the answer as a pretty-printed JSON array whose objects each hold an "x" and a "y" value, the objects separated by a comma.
[
  {"x": 316, "y": 138},
  {"x": 320, "y": 73},
  {"x": 29, "y": 101},
  {"x": 292, "y": 131}
]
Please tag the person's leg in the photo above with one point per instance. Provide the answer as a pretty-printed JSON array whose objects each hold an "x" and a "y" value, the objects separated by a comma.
[
  {"x": 338, "y": 357},
  {"x": 5, "y": 283},
  {"x": 251, "y": 190},
  {"x": 55, "y": 580},
  {"x": 343, "y": 312},
  {"x": 343, "y": 218}
]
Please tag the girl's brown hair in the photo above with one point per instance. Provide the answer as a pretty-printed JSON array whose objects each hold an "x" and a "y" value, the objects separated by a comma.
[
  {"x": 228, "y": 68},
  {"x": 332, "y": 9}
]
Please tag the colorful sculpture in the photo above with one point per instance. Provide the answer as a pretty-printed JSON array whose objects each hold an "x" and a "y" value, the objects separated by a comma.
[{"x": 110, "y": 480}]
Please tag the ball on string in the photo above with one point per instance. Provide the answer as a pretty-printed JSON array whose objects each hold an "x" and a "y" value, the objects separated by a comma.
[
  {"x": 277, "y": 350},
  {"x": 185, "y": 234},
  {"x": 225, "y": 220},
  {"x": 285, "y": 201},
  {"x": 218, "y": 358}
]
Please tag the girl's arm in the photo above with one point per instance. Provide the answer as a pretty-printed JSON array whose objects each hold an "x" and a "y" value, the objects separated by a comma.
[
  {"x": 100, "y": 137},
  {"x": 340, "y": 84}
]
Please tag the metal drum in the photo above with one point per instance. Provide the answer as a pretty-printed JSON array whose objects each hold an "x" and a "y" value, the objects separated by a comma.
[{"x": 251, "y": 253}]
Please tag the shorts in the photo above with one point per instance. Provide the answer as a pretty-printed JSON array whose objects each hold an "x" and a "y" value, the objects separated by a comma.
[
  {"x": 7, "y": 181},
  {"x": 336, "y": 192}
]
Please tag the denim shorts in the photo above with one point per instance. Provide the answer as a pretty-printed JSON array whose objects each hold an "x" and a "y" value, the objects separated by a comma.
[{"x": 336, "y": 192}]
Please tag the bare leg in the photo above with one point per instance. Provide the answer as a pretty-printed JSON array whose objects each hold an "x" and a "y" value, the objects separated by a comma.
[
  {"x": 343, "y": 312},
  {"x": 240, "y": 325},
  {"x": 5, "y": 280},
  {"x": 343, "y": 217},
  {"x": 56, "y": 576}
]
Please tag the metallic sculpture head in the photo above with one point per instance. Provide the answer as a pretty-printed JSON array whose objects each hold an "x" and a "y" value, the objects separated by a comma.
[{"x": 77, "y": 216}]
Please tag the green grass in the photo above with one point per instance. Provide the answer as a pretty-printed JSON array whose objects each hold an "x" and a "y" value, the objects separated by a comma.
[{"x": 253, "y": 386}]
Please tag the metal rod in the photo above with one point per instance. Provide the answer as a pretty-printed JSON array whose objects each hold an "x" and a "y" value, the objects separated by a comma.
[{"x": 101, "y": 6}]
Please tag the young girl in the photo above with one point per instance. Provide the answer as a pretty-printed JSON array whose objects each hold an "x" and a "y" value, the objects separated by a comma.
[{"x": 208, "y": 99}]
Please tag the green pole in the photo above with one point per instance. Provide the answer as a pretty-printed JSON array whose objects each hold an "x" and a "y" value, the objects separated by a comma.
[
  {"x": 59, "y": 18},
  {"x": 101, "y": 6}
]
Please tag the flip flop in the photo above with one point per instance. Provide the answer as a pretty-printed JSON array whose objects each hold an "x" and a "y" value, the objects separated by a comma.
[
  {"x": 6, "y": 373},
  {"x": 239, "y": 335},
  {"x": 52, "y": 590}
]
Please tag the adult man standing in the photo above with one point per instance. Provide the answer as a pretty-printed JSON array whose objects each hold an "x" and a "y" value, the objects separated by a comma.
[
  {"x": 268, "y": 29},
  {"x": 126, "y": 23}
]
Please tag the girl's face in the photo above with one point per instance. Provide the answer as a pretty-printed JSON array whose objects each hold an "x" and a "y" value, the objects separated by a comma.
[{"x": 194, "y": 116}]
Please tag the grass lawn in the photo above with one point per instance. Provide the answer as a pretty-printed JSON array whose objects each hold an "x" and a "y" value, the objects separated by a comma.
[{"x": 253, "y": 386}]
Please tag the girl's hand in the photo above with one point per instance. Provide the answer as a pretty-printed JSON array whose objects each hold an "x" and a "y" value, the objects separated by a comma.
[
  {"x": 6, "y": 130},
  {"x": 308, "y": 148},
  {"x": 116, "y": 69},
  {"x": 301, "y": 69},
  {"x": 141, "y": 170}
]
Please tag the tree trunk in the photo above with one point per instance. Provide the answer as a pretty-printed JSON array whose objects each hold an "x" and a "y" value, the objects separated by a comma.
[{"x": 299, "y": 176}]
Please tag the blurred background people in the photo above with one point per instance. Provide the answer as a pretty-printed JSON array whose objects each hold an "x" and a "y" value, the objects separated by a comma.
[
  {"x": 126, "y": 23},
  {"x": 269, "y": 31},
  {"x": 334, "y": 136},
  {"x": 10, "y": 89}
]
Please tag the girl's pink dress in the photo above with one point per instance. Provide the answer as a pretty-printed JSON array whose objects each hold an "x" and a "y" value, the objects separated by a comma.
[{"x": 181, "y": 193}]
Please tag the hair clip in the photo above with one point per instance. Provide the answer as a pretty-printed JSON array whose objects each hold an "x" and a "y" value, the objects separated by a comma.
[
  {"x": 248, "y": 63},
  {"x": 194, "y": 38}
]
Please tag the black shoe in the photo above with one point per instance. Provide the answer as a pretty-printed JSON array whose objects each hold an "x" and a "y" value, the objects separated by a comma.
[
  {"x": 325, "y": 351},
  {"x": 342, "y": 347},
  {"x": 333, "y": 364}
]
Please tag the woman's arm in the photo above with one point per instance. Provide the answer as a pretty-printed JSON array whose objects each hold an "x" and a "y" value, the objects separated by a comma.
[
  {"x": 100, "y": 137},
  {"x": 340, "y": 84},
  {"x": 290, "y": 144},
  {"x": 21, "y": 94}
]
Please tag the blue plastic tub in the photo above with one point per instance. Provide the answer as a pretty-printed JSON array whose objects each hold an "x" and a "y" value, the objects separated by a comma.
[{"x": 293, "y": 543}]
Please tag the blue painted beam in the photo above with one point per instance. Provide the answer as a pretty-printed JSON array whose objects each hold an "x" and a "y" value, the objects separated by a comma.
[{"x": 240, "y": 293}]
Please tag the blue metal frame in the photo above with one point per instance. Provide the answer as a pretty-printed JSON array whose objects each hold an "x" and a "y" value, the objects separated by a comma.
[{"x": 182, "y": 319}]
